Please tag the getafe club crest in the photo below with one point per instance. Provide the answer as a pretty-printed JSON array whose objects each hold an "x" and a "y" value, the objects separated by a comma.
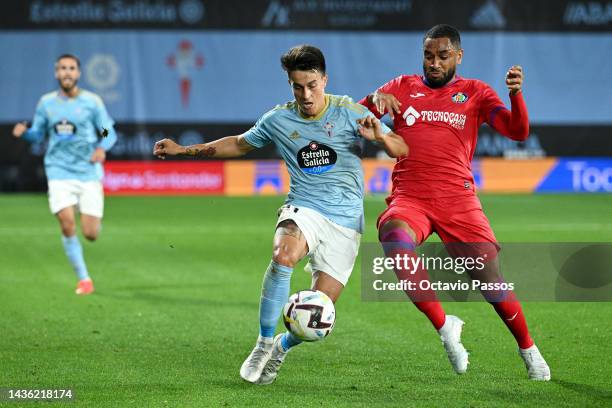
[
  {"x": 459, "y": 97},
  {"x": 328, "y": 128}
]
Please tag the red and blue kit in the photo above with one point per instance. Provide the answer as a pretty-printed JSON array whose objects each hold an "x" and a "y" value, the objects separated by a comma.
[{"x": 433, "y": 187}]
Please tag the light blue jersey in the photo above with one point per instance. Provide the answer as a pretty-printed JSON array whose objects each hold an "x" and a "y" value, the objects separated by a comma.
[
  {"x": 72, "y": 125},
  {"x": 322, "y": 155}
]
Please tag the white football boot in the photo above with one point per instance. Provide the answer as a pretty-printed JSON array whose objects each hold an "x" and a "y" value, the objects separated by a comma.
[
  {"x": 274, "y": 364},
  {"x": 450, "y": 334},
  {"x": 256, "y": 361},
  {"x": 536, "y": 365}
]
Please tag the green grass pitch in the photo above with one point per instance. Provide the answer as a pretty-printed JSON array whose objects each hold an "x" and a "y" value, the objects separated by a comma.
[{"x": 175, "y": 314}]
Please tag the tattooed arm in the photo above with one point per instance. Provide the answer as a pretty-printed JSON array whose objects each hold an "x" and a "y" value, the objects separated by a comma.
[{"x": 230, "y": 146}]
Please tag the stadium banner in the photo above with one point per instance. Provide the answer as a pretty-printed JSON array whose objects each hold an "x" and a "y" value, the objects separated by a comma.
[
  {"x": 270, "y": 177},
  {"x": 462, "y": 272},
  {"x": 135, "y": 142},
  {"x": 163, "y": 177},
  {"x": 511, "y": 176},
  {"x": 380, "y": 15},
  {"x": 579, "y": 175},
  {"x": 547, "y": 141},
  {"x": 219, "y": 77},
  {"x": 262, "y": 177}
]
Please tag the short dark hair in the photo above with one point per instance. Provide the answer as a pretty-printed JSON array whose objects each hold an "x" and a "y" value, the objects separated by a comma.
[
  {"x": 444, "y": 31},
  {"x": 303, "y": 58},
  {"x": 74, "y": 57}
]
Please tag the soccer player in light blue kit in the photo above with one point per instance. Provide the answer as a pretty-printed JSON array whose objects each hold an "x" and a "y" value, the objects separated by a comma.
[
  {"x": 319, "y": 137},
  {"x": 72, "y": 118}
]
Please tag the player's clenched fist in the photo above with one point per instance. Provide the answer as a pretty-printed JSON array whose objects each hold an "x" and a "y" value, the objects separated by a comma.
[
  {"x": 19, "y": 129},
  {"x": 166, "y": 147},
  {"x": 514, "y": 79}
]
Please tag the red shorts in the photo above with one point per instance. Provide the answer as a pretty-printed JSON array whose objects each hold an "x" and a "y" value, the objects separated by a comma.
[{"x": 455, "y": 219}]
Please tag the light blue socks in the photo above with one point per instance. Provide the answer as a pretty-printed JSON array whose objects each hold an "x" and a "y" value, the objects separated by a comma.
[
  {"x": 289, "y": 340},
  {"x": 74, "y": 252},
  {"x": 274, "y": 295}
]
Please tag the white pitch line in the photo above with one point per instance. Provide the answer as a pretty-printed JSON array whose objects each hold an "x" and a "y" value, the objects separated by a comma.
[
  {"x": 570, "y": 227},
  {"x": 161, "y": 230}
]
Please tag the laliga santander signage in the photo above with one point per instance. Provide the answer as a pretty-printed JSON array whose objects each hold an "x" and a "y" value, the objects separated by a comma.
[
  {"x": 163, "y": 177},
  {"x": 270, "y": 177}
]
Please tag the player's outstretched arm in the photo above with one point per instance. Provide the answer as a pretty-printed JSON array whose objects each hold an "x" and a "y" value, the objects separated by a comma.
[
  {"x": 513, "y": 123},
  {"x": 371, "y": 129},
  {"x": 31, "y": 135},
  {"x": 36, "y": 132},
  {"x": 230, "y": 146}
]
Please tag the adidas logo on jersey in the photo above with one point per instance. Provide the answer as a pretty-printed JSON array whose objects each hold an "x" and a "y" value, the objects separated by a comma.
[{"x": 294, "y": 135}]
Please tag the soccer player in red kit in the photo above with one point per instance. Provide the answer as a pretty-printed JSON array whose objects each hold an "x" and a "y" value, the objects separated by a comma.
[{"x": 438, "y": 115}]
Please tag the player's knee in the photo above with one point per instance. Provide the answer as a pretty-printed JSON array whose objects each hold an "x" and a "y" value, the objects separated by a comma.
[
  {"x": 68, "y": 228},
  {"x": 91, "y": 234},
  {"x": 396, "y": 231},
  {"x": 285, "y": 258}
]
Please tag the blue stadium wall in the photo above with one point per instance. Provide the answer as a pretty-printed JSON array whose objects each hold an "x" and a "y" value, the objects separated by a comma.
[{"x": 196, "y": 70}]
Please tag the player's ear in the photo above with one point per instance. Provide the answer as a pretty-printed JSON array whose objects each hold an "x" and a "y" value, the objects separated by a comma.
[
  {"x": 459, "y": 56},
  {"x": 324, "y": 78}
]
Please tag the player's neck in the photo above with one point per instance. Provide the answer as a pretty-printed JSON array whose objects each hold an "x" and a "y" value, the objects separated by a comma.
[{"x": 71, "y": 93}]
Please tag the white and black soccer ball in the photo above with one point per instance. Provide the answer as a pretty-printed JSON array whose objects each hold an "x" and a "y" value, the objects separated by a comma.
[{"x": 310, "y": 315}]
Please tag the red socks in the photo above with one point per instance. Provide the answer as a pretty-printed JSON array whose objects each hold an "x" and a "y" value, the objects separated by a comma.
[
  {"x": 398, "y": 242},
  {"x": 511, "y": 313}
]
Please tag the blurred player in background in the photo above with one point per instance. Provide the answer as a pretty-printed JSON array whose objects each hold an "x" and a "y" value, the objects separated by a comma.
[
  {"x": 72, "y": 118},
  {"x": 318, "y": 136},
  {"x": 438, "y": 115}
]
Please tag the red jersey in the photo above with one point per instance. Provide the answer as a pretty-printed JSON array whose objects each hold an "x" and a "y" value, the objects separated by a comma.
[{"x": 440, "y": 127}]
